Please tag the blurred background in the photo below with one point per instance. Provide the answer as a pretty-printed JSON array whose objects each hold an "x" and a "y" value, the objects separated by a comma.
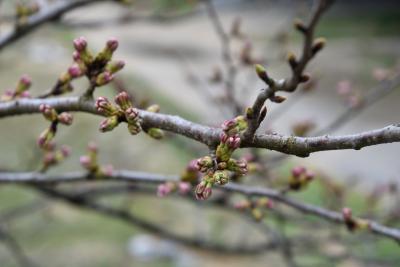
[{"x": 173, "y": 58}]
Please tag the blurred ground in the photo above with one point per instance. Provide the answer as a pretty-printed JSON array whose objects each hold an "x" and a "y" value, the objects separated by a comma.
[{"x": 158, "y": 55}]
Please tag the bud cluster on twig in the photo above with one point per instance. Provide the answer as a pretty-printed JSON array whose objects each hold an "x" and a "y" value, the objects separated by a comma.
[
  {"x": 352, "y": 223},
  {"x": 23, "y": 11},
  {"x": 90, "y": 163},
  {"x": 257, "y": 208},
  {"x": 219, "y": 170},
  {"x": 20, "y": 91},
  {"x": 300, "y": 178},
  {"x": 53, "y": 156},
  {"x": 55, "y": 118}
]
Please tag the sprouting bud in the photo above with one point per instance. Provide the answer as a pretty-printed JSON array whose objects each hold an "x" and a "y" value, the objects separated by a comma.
[
  {"x": 153, "y": 108},
  {"x": 48, "y": 112},
  {"x": 23, "y": 84},
  {"x": 291, "y": 58},
  {"x": 115, "y": 66},
  {"x": 239, "y": 167},
  {"x": 109, "y": 124},
  {"x": 184, "y": 188},
  {"x": 262, "y": 74},
  {"x": 123, "y": 100},
  {"x": 277, "y": 99},
  {"x": 45, "y": 137},
  {"x": 80, "y": 44},
  {"x": 134, "y": 128},
  {"x": 318, "y": 44},
  {"x": 221, "y": 177},
  {"x": 112, "y": 44},
  {"x": 299, "y": 25},
  {"x": 104, "y": 78},
  {"x": 132, "y": 115},
  {"x": 104, "y": 106},
  {"x": 76, "y": 57},
  {"x": 65, "y": 118},
  {"x": 75, "y": 71},
  {"x": 298, "y": 170},
  {"x": 203, "y": 190},
  {"x": 233, "y": 142},
  {"x": 155, "y": 133},
  {"x": 86, "y": 162},
  {"x": 163, "y": 190},
  {"x": 204, "y": 163}
]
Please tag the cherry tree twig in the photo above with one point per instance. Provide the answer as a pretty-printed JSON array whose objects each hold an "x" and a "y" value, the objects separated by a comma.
[{"x": 132, "y": 176}]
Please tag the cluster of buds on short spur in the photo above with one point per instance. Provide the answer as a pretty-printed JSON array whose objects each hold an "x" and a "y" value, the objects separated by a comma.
[
  {"x": 352, "y": 223},
  {"x": 53, "y": 156},
  {"x": 220, "y": 169},
  {"x": 90, "y": 163},
  {"x": 55, "y": 118},
  {"x": 257, "y": 208},
  {"x": 115, "y": 114},
  {"x": 24, "y": 10},
  {"x": 99, "y": 69},
  {"x": 300, "y": 178},
  {"x": 167, "y": 188},
  {"x": 20, "y": 91}
]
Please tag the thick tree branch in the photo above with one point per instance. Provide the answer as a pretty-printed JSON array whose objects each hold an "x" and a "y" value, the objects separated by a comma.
[
  {"x": 299, "y": 146},
  {"x": 38, "y": 178}
]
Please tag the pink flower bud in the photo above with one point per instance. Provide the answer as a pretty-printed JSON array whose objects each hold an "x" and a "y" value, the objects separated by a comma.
[
  {"x": 163, "y": 190},
  {"x": 104, "y": 78},
  {"x": 65, "y": 118},
  {"x": 108, "y": 124},
  {"x": 85, "y": 162},
  {"x": 65, "y": 151},
  {"x": 347, "y": 214},
  {"x": 107, "y": 170},
  {"x": 184, "y": 188},
  {"x": 25, "y": 80},
  {"x": 104, "y": 106},
  {"x": 298, "y": 170},
  {"x": 76, "y": 56},
  {"x": 48, "y": 112},
  {"x": 25, "y": 94},
  {"x": 123, "y": 100},
  {"x": 132, "y": 115},
  {"x": 75, "y": 71},
  {"x": 115, "y": 66},
  {"x": 80, "y": 44},
  {"x": 228, "y": 124},
  {"x": 92, "y": 147},
  {"x": 112, "y": 44}
]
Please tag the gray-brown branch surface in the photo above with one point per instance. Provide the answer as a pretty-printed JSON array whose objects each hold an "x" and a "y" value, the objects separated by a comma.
[
  {"x": 299, "y": 146},
  {"x": 35, "y": 178}
]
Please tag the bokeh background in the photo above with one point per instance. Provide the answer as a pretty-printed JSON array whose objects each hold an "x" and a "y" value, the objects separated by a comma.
[{"x": 171, "y": 51}]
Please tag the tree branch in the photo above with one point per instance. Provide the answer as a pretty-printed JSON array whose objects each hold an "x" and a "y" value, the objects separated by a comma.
[{"x": 38, "y": 178}]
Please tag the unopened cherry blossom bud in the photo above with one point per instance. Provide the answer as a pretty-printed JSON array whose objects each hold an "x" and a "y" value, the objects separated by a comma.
[
  {"x": 104, "y": 106},
  {"x": 204, "y": 163},
  {"x": 75, "y": 71},
  {"x": 115, "y": 66},
  {"x": 65, "y": 118},
  {"x": 86, "y": 162},
  {"x": 165, "y": 189},
  {"x": 25, "y": 94},
  {"x": 92, "y": 147},
  {"x": 347, "y": 213},
  {"x": 134, "y": 128},
  {"x": 112, "y": 44},
  {"x": 132, "y": 115},
  {"x": 221, "y": 177},
  {"x": 104, "y": 78},
  {"x": 45, "y": 137},
  {"x": 23, "y": 84},
  {"x": 108, "y": 124},
  {"x": 155, "y": 133},
  {"x": 298, "y": 171},
  {"x": 107, "y": 170},
  {"x": 80, "y": 44},
  {"x": 153, "y": 108},
  {"x": 123, "y": 100},
  {"x": 184, "y": 188},
  {"x": 65, "y": 151},
  {"x": 48, "y": 112},
  {"x": 299, "y": 25}
]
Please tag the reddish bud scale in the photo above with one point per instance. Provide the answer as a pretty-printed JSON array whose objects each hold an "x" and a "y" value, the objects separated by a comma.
[{"x": 123, "y": 100}]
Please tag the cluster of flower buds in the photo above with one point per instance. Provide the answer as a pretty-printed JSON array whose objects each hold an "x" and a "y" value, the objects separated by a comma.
[
  {"x": 223, "y": 167},
  {"x": 352, "y": 223},
  {"x": 302, "y": 128},
  {"x": 300, "y": 178},
  {"x": 352, "y": 97},
  {"x": 20, "y": 91},
  {"x": 191, "y": 174},
  {"x": 53, "y": 156},
  {"x": 154, "y": 132},
  {"x": 122, "y": 111},
  {"x": 51, "y": 115},
  {"x": 90, "y": 163},
  {"x": 23, "y": 11},
  {"x": 167, "y": 188},
  {"x": 257, "y": 208}
]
